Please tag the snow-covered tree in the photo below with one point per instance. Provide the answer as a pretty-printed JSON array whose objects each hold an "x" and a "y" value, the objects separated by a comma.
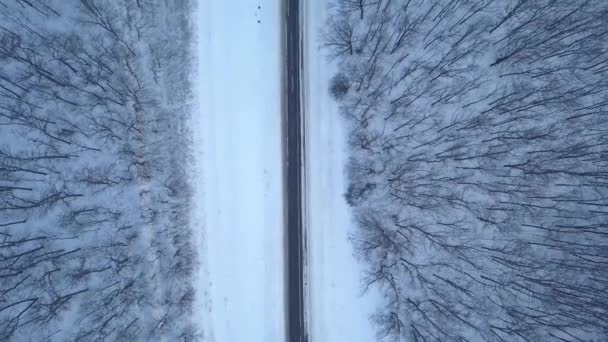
[
  {"x": 94, "y": 233},
  {"x": 478, "y": 165}
]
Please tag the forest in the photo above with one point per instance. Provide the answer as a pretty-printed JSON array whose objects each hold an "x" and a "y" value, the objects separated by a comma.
[
  {"x": 95, "y": 243},
  {"x": 478, "y": 170}
]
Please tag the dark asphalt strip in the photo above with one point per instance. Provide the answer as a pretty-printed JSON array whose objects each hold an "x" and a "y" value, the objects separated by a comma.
[{"x": 294, "y": 143}]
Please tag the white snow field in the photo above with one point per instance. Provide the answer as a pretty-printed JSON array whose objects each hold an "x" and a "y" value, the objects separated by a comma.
[
  {"x": 337, "y": 310},
  {"x": 237, "y": 145}
]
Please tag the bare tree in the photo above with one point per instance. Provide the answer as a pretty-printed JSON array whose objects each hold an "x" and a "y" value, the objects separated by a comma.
[
  {"x": 94, "y": 231},
  {"x": 477, "y": 167}
]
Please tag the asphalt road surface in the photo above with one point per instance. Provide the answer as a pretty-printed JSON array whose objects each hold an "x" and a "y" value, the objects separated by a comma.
[{"x": 294, "y": 138}]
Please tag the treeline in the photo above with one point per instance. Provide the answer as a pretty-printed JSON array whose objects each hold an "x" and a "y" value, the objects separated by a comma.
[
  {"x": 478, "y": 164},
  {"x": 95, "y": 243}
]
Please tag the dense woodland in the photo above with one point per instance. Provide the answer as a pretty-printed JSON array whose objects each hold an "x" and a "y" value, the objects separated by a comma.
[
  {"x": 94, "y": 237},
  {"x": 478, "y": 164}
]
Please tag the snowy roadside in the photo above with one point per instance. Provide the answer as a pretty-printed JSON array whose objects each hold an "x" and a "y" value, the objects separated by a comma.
[
  {"x": 238, "y": 152},
  {"x": 336, "y": 309}
]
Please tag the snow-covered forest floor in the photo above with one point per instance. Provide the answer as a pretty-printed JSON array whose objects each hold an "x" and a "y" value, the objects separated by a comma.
[
  {"x": 478, "y": 164},
  {"x": 141, "y": 182},
  {"x": 95, "y": 238}
]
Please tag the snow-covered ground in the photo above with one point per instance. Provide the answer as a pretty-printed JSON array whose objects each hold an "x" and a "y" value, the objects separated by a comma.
[
  {"x": 239, "y": 194},
  {"x": 336, "y": 311}
]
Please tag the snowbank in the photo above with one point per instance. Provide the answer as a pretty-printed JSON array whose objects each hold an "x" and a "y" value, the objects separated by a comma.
[
  {"x": 337, "y": 311},
  {"x": 238, "y": 148}
]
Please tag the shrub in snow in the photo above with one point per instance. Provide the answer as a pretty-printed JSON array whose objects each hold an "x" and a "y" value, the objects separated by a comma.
[{"x": 339, "y": 86}]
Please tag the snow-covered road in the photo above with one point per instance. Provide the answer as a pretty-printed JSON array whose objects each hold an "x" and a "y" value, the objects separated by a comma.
[
  {"x": 237, "y": 146},
  {"x": 336, "y": 310},
  {"x": 239, "y": 209}
]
